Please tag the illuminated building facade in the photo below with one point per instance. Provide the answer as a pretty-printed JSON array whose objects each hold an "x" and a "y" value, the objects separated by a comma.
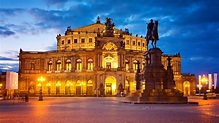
[{"x": 96, "y": 59}]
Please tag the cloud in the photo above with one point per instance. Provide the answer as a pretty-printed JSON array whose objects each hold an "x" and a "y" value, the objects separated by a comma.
[
  {"x": 2, "y": 58},
  {"x": 4, "y": 31},
  {"x": 188, "y": 27}
]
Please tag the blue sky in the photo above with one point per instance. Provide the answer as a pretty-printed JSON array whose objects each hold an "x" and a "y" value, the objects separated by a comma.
[{"x": 189, "y": 27}]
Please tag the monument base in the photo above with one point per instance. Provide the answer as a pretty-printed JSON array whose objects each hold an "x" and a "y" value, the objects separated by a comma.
[{"x": 155, "y": 96}]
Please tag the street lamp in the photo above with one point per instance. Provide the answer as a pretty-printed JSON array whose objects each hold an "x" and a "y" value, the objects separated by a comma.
[
  {"x": 199, "y": 89},
  {"x": 40, "y": 80},
  {"x": 204, "y": 82}
]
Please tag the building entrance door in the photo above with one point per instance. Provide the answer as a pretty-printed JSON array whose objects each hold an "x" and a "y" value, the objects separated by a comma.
[
  {"x": 108, "y": 89},
  {"x": 78, "y": 90},
  {"x": 110, "y": 86}
]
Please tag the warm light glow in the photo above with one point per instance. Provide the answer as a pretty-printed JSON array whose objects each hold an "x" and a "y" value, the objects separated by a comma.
[
  {"x": 39, "y": 85},
  {"x": 114, "y": 86},
  {"x": 187, "y": 85},
  {"x": 48, "y": 84},
  {"x": 82, "y": 83},
  {"x": 58, "y": 84},
  {"x": 41, "y": 79},
  {"x": 0, "y": 84},
  {"x": 204, "y": 80},
  {"x": 68, "y": 84},
  {"x": 199, "y": 86}
]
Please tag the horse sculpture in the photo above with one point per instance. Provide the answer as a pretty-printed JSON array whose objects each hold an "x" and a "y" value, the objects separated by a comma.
[{"x": 152, "y": 33}]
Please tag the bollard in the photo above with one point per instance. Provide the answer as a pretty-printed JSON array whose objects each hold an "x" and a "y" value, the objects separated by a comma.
[{"x": 26, "y": 98}]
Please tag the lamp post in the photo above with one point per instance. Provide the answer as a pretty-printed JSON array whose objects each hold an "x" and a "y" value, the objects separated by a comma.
[
  {"x": 40, "y": 79},
  {"x": 204, "y": 82},
  {"x": 199, "y": 89}
]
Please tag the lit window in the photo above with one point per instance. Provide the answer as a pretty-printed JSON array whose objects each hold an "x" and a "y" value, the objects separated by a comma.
[
  {"x": 68, "y": 64},
  {"x": 90, "y": 40},
  {"x": 82, "y": 40},
  {"x": 133, "y": 42},
  {"x": 58, "y": 65},
  {"x": 90, "y": 64},
  {"x": 32, "y": 66},
  {"x": 75, "y": 40},
  {"x": 135, "y": 65},
  {"x": 127, "y": 42},
  {"x": 126, "y": 65},
  {"x": 50, "y": 66},
  {"x": 79, "y": 64},
  {"x": 143, "y": 64}
]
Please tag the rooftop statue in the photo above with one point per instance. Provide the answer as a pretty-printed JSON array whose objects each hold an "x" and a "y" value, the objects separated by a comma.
[
  {"x": 152, "y": 33},
  {"x": 109, "y": 24}
]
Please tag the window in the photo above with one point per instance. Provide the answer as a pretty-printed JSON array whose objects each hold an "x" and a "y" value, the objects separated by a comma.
[
  {"x": 127, "y": 42},
  {"x": 133, "y": 42},
  {"x": 90, "y": 40},
  {"x": 32, "y": 65},
  {"x": 135, "y": 65},
  {"x": 68, "y": 64},
  {"x": 82, "y": 40},
  {"x": 143, "y": 64},
  {"x": 63, "y": 42},
  {"x": 89, "y": 64},
  {"x": 75, "y": 40},
  {"x": 142, "y": 44},
  {"x": 79, "y": 64},
  {"x": 126, "y": 65},
  {"x": 69, "y": 41},
  {"x": 139, "y": 43},
  {"x": 58, "y": 65},
  {"x": 50, "y": 66}
]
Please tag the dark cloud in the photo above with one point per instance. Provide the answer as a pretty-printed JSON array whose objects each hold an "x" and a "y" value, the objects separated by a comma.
[
  {"x": 4, "y": 31},
  {"x": 10, "y": 67},
  {"x": 11, "y": 12},
  {"x": 6, "y": 58}
]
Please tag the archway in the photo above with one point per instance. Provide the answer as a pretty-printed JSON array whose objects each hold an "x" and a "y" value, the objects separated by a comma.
[
  {"x": 68, "y": 85},
  {"x": 58, "y": 88},
  {"x": 78, "y": 87},
  {"x": 110, "y": 85},
  {"x": 89, "y": 87},
  {"x": 186, "y": 88},
  {"x": 127, "y": 87}
]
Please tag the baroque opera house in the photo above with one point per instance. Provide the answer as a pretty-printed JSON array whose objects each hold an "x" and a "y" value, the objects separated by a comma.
[{"x": 93, "y": 60}]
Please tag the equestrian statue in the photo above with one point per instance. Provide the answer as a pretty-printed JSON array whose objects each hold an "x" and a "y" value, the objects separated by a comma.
[{"x": 152, "y": 33}]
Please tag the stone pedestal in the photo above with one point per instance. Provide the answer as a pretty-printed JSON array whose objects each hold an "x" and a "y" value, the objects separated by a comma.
[{"x": 159, "y": 83}]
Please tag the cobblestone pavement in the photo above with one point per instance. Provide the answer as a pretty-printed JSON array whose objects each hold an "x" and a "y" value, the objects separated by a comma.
[{"x": 106, "y": 110}]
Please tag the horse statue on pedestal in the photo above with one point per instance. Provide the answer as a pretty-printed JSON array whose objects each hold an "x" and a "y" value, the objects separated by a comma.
[{"x": 152, "y": 33}]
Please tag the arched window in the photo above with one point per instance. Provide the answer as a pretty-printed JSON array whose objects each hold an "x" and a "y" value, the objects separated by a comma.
[
  {"x": 58, "y": 65},
  {"x": 68, "y": 64},
  {"x": 126, "y": 65},
  {"x": 79, "y": 64},
  {"x": 135, "y": 65},
  {"x": 143, "y": 64},
  {"x": 32, "y": 65},
  {"x": 90, "y": 64},
  {"x": 50, "y": 66}
]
